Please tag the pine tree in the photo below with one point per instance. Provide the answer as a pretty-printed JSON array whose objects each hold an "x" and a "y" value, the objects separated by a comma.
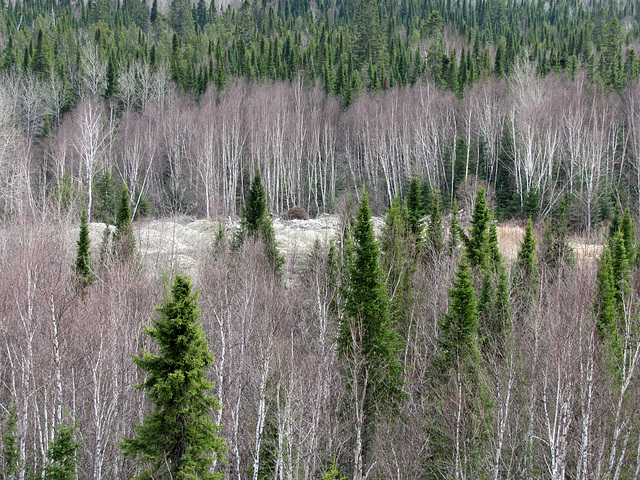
[
  {"x": 154, "y": 11},
  {"x": 367, "y": 341},
  {"x": 124, "y": 242},
  {"x": 84, "y": 269},
  {"x": 177, "y": 440},
  {"x": 526, "y": 272},
  {"x": 256, "y": 223},
  {"x": 10, "y": 461},
  {"x": 398, "y": 262},
  {"x": 476, "y": 242},
  {"x": 607, "y": 310},
  {"x": 111, "y": 77},
  {"x": 61, "y": 456},
  {"x": 458, "y": 341}
]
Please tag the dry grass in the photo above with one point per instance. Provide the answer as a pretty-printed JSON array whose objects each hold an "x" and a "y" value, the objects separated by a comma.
[{"x": 509, "y": 238}]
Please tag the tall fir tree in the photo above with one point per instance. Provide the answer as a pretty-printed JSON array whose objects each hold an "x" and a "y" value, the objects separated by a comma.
[
  {"x": 367, "y": 341},
  {"x": 398, "y": 250},
  {"x": 178, "y": 439},
  {"x": 124, "y": 242},
  {"x": 458, "y": 343},
  {"x": 525, "y": 277},
  {"x": 84, "y": 269},
  {"x": 477, "y": 241}
]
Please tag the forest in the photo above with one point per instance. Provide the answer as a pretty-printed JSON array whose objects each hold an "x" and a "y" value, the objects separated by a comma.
[{"x": 420, "y": 351}]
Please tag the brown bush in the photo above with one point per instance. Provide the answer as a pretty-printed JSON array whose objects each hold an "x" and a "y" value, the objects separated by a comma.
[{"x": 297, "y": 213}]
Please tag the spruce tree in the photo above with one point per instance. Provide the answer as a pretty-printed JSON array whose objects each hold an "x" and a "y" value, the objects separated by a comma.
[
  {"x": 177, "y": 439},
  {"x": 10, "y": 461},
  {"x": 476, "y": 242},
  {"x": 61, "y": 456},
  {"x": 458, "y": 340},
  {"x": 367, "y": 341},
  {"x": 124, "y": 242},
  {"x": 111, "y": 77},
  {"x": 256, "y": 223},
  {"x": 398, "y": 262},
  {"x": 84, "y": 269},
  {"x": 526, "y": 268}
]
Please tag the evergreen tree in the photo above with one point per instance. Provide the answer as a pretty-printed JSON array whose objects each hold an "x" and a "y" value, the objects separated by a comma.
[
  {"x": 526, "y": 272},
  {"x": 124, "y": 242},
  {"x": 607, "y": 310},
  {"x": 398, "y": 262},
  {"x": 369, "y": 36},
  {"x": 61, "y": 456},
  {"x": 42, "y": 60},
  {"x": 256, "y": 223},
  {"x": 10, "y": 461},
  {"x": 177, "y": 440},
  {"x": 476, "y": 242},
  {"x": 414, "y": 205},
  {"x": 455, "y": 232},
  {"x": 614, "y": 226},
  {"x": 111, "y": 77},
  {"x": 367, "y": 341},
  {"x": 458, "y": 340},
  {"x": 84, "y": 269}
]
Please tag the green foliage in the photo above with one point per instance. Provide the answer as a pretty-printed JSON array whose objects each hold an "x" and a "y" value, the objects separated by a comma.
[
  {"x": 84, "y": 269},
  {"x": 256, "y": 223},
  {"x": 458, "y": 341},
  {"x": 10, "y": 462},
  {"x": 367, "y": 340},
  {"x": 124, "y": 242},
  {"x": 105, "y": 199},
  {"x": 526, "y": 268},
  {"x": 398, "y": 248},
  {"x": 414, "y": 206},
  {"x": 477, "y": 241},
  {"x": 177, "y": 440},
  {"x": 333, "y": 473},
  {"x": 61, "y": 456}
]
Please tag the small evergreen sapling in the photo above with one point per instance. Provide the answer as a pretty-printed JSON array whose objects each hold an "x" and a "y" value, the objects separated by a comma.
[
  {"x": 10, "y": 465},
  {"x": 61, "y": 456}
]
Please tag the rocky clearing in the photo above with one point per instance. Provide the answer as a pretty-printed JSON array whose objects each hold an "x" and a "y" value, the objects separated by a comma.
[{"x": 179, "y": 244}]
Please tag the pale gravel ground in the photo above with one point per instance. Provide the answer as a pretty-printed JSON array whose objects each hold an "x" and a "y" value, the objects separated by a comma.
[{"x": 180, "y": 244}]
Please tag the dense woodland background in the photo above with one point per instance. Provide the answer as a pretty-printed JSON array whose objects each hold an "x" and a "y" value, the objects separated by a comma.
[{"x": 525, "y": 369}]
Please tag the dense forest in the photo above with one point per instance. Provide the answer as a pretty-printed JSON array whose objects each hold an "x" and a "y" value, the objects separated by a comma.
[{"x": 419, "y": 353}]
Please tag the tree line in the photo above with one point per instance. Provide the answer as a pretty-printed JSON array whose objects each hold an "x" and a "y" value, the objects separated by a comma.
[{"x": 527, "y": 140}]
